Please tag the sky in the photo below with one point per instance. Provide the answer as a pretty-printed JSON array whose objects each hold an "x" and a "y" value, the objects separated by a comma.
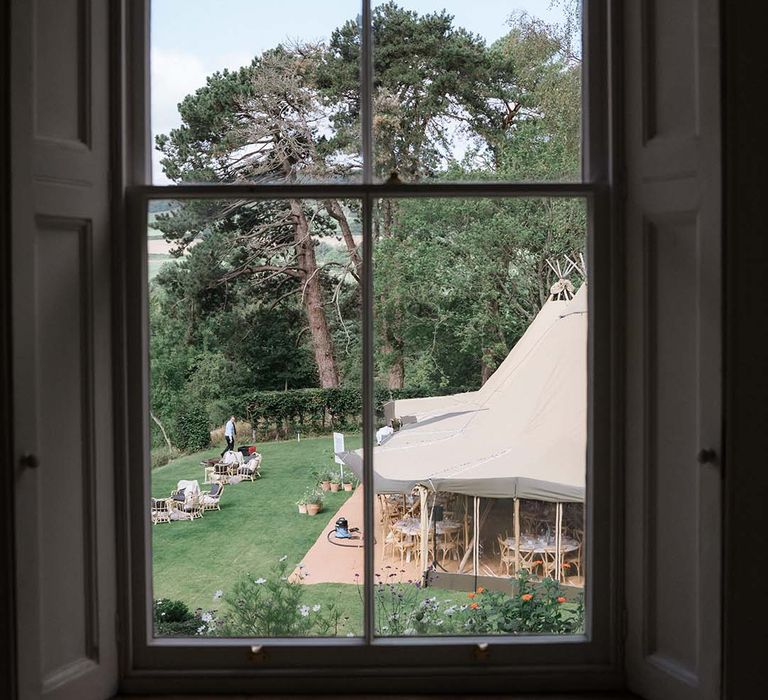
[{"x": 190, "y": 39}]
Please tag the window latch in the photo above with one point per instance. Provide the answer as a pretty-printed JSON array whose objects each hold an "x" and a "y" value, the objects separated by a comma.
[{"x": 29, "y": 461}]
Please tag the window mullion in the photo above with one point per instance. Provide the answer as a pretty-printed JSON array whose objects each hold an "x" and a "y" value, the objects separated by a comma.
[
  {"x": 366, "y": 93},
  {"x": 368, "y": 419}
]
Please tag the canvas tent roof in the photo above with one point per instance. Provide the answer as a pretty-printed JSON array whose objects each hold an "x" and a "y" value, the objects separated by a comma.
[{"x": 522, "y": 435}]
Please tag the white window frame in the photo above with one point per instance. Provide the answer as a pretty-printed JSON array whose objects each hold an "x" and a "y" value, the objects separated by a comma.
[{"x": 368, "y": 664}]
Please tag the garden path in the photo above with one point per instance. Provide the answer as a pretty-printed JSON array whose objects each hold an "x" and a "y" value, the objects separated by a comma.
[{"x": 327, "y": 562}]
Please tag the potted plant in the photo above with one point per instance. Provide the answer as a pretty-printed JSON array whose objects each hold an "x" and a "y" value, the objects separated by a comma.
[
  {"x": 323, "y": 478},
  {"x": 302, "y": 502},
  {"x": 348, "y": 484},
  {"x": 335, "y": 482},
  {"x": 315, "y": 503}
]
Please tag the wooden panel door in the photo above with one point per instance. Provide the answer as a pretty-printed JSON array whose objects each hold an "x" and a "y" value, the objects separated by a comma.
[
  {"x": 61, "y": 318},
  {"x": 674, "y": 412}
]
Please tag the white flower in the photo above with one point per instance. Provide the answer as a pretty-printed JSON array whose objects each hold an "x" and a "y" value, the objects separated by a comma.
[
  {"x": 315, "y": 608},
  {"x": 201, "y": 629},
  {"x": 410, "y": 630},
  {"x": 350, "y": 634},
  {"x": 217, "y": 595},
  {"x": 206, "y": 617},
  {"x": 283, "y": 558},
  {"x": 304, "y": 610},
  {"x": 259, "y": 581}
]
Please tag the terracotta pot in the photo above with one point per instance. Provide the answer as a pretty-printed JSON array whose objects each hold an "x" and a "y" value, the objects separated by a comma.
[
  {"x": 313, "y": 508},
  {"x": 347, "y": 487},
  {"x": 325, "y": 485},
  {"x": 302, "y": 507},
  {"x": 335, "y": 487}
]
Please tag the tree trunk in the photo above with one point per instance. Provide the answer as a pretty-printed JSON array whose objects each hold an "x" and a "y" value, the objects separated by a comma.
[
  {"x": 312, "y": 296},
  {"x": 486, "y": 366},
  {"x": 393, "y": 342},
  {"x": 333, "y": 207},
  {"x": 393, "y": 346},
  {"x": 165, "y": 435}
]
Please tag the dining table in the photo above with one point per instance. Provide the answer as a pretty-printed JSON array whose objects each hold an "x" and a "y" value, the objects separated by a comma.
[{"x": 541, "y": 544}]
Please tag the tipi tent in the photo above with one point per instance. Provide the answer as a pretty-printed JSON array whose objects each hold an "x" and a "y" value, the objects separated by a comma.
[{"x": 522, "y": 435}]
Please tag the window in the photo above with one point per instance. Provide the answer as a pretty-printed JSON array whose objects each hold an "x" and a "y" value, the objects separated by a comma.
[{"x": 371, "y": 176}]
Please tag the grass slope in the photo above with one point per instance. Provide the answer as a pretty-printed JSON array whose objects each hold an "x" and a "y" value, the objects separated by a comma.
[{"x": 258, "y": 523}]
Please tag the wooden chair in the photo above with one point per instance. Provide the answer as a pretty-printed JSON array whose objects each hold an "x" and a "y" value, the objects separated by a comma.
[
  {"x": 506, "y": 555},
  {"x": 448, "y": 544},
  {"x": 572, "y": 560},
  {"x": 399, "y": 542}
]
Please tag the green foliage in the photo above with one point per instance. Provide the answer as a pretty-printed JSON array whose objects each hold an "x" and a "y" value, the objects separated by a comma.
[
  {"x": 456, "y": 282},
  {"x": 172, "y": 618},
  {"x": 192, "y": 430},
  {"x": 274, "y": 606},
  {"x": 281, "y": 413},
  {"x": 536, "y": 607}
]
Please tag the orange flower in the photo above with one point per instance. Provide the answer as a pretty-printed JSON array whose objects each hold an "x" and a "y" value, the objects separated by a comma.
[
  {"x": 526, "y": 596},
  {"x": 470, "y": 595},
  {"x": 474, "y": 606},
  {"x": 561, "y": 599},
  {"x": 481, "y": 589}
]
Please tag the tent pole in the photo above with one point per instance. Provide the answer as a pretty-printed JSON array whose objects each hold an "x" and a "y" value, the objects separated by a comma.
[
  {"x": 558, "y": 545},
  {"x": 424, "y": 531},
  {"x": 517, "y": 536},
  {"x": 470, "y": 549},
  {"x": 476, "y": 543}
]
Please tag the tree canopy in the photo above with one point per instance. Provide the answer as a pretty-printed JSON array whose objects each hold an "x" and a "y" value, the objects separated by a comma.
[{"x": 265, "y": 294}]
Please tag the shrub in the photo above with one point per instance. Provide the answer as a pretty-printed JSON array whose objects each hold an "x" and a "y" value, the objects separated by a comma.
[
  {"x": 274, "y": 607},
  {"x": 172, "y": 618},
  {"x": 192, "y": 429},
  {"x": 276, "y": 414}
]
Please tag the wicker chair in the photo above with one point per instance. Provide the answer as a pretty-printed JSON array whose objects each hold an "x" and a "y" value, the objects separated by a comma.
[
  {"x": 211, "y": 500},
  {"x": 251, "y": 469},
  {"x": 160, "y": 511}
]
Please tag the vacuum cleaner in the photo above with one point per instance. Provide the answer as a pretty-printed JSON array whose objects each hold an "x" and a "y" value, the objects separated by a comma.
[{"x": 342, "y": 531}]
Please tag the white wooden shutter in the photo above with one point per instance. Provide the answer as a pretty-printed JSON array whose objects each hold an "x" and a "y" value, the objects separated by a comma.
[
  {"x": 674, "y": 348},
  {"x": 61, "y": 344}
]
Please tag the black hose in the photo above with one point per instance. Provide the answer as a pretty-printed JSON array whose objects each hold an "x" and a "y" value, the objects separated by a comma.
[{"x": 343, "y": 543}]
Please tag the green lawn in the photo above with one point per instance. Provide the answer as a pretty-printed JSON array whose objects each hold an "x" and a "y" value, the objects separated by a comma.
[{"x": 258, "y": 523}]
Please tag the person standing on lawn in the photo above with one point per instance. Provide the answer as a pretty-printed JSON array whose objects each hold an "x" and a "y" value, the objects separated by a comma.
[{"x": 229, "y": 434}]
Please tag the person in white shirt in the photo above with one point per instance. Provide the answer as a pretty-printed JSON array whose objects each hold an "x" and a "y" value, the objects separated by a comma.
[
  {"x": 229, "y": 434},
  {"x": 383, "y": 433}
]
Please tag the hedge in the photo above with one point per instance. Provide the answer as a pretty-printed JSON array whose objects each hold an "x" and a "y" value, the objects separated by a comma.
[{"x": 280, "y": 414}]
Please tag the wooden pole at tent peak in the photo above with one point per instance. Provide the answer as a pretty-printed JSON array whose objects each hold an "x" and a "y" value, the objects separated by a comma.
[{"x": 517, "y": 536}]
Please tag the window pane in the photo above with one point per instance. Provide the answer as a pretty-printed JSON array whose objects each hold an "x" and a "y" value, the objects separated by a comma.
[
  {"x": 480, "y": 322},
  {"x": 254, "y": 91},
  {"x": 255, "y": 358},
  {"x": 478, "y": 90}
]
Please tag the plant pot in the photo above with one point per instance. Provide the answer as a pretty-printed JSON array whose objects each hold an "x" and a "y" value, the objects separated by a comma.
[
  {"x": 325, "y": 485},
  {"x": 313, "y": 508},
  {"x": 348, "y": 487},
  {"x": 302, "y": 507},
  {"x": 335, "y": 487}
]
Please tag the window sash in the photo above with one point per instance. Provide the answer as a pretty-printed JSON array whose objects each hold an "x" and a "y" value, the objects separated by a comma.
[{"x": 367, "y": 658}]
